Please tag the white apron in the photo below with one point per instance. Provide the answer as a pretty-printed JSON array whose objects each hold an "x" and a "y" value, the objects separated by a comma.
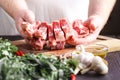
[{"x": 47, "y": 10}]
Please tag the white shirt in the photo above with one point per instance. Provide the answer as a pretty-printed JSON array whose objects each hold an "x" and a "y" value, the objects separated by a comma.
[{"x": 47, "y": 10}]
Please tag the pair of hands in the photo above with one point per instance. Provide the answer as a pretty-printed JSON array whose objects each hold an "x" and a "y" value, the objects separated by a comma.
[{"x": 94, "y": 23}]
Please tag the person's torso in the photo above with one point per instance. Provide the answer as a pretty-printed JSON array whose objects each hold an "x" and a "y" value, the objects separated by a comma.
[{"x": 48, "y": 10}]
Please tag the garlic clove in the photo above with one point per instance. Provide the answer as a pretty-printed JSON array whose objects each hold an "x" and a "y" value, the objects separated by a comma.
[{"x": 99, "y": 66}]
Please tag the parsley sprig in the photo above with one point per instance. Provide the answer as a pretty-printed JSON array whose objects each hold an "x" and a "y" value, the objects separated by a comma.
[
  {"x": 31, "y": 66},
  {"x": 6, "y": 48}
]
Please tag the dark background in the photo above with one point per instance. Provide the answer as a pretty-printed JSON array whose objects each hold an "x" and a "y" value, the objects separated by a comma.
[{"x": 113, "y": 25}]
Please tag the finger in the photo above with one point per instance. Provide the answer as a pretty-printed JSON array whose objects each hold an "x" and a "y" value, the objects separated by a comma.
[
  {"x": 19, "y": 27},
  {"x": 89, "y": 38},
  {"x": 29, "y": 17}
]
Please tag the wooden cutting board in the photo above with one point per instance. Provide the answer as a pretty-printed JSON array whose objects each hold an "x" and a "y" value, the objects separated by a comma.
[{"x": 112, "y": 44}]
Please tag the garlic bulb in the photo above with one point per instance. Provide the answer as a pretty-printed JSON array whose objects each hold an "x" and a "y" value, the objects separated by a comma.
[
  {"x": 87, "y": 61},
  {"x": 84, "y": 57},
  {"x": 99, "y": 66}
]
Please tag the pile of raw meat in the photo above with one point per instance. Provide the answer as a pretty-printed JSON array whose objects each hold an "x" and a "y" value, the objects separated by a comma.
[{"x": 55, "y": 35}]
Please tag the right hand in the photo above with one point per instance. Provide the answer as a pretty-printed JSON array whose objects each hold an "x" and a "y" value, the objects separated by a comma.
[
  {"x": 23, "y": 16},
  {"x": 95, "y": 25}
]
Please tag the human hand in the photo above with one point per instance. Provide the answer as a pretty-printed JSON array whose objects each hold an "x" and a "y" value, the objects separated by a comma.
[
  {"x": 95, "y": 25},
  {"x": 94, "y": 22},
  {"x": 23, "y": 16}
]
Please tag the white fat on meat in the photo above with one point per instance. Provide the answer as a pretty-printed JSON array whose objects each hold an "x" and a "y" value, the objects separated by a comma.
[
  {"x": 42, "y": 31},
  {"x": 51, "y": 38},
  {"x": 59, "y": 35}
]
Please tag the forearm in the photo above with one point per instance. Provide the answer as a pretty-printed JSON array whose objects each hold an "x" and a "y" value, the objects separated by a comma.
[
  {"x": 101, "y": 8},
  {"x": 12, "y": 6}
]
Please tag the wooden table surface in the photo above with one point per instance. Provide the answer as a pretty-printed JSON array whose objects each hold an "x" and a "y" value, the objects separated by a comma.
[{"x": 113, "y": 59}]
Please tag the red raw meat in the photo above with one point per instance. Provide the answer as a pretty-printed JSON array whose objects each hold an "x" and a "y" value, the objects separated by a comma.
[
  {"x": 29, "y": 29},
  {"x": 59, "y": 35},
  {"x": 70, "y": 33},
  {"x": 42, "y": 31},
  {"x": 80, "y": 28},
  {"x": 32, "y": 32},
  {"x": 72, "y": 39},
  {"x": 36, "y": 44},
  {"x": 67, "y": 29},
  {"x": 51, "y": 38},
  {"x": 55, "y": 35}
]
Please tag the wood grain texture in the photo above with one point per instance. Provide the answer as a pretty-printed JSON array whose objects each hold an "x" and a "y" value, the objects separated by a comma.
[{"x": 112, "y": 44}]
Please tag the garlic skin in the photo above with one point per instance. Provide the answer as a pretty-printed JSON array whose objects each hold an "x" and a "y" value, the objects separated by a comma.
[
  {"x": 87, "y": 61},
  {"x": 99, "y": 66},
  {"x": 86, "y": 58}
]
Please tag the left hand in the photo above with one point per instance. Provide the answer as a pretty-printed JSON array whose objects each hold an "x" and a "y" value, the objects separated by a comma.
[{"x": 95, "y": 25}]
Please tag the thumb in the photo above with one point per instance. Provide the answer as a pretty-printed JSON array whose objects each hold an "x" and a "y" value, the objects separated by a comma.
[{"x": 29, "y": 16}]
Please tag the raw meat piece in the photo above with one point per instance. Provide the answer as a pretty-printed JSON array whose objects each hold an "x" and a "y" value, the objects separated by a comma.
[
  {"x": 60, "y": 45},
  {"x": 79, "y": 31},
  {"x": 80, "y": 28},
  {"x": 59, "y": 35},
  {"x": 51, "y": 38},
  {"x": 29, "y": 29},
  {"x": 67, "y": 29},
  {"x": 72, "y": 39},
  {"x": 36, "y": 44},
  {"x": 42, "y": 31},
  {"x": 70, "y": 33},
  {"x": 55, "y": 35}
]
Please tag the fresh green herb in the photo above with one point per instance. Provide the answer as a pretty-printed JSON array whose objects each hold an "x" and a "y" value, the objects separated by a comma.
[
  {"x": 6, "y": 48},
  {"x": 15, "y": 65},
  {"x": 34, "y": 67}
]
